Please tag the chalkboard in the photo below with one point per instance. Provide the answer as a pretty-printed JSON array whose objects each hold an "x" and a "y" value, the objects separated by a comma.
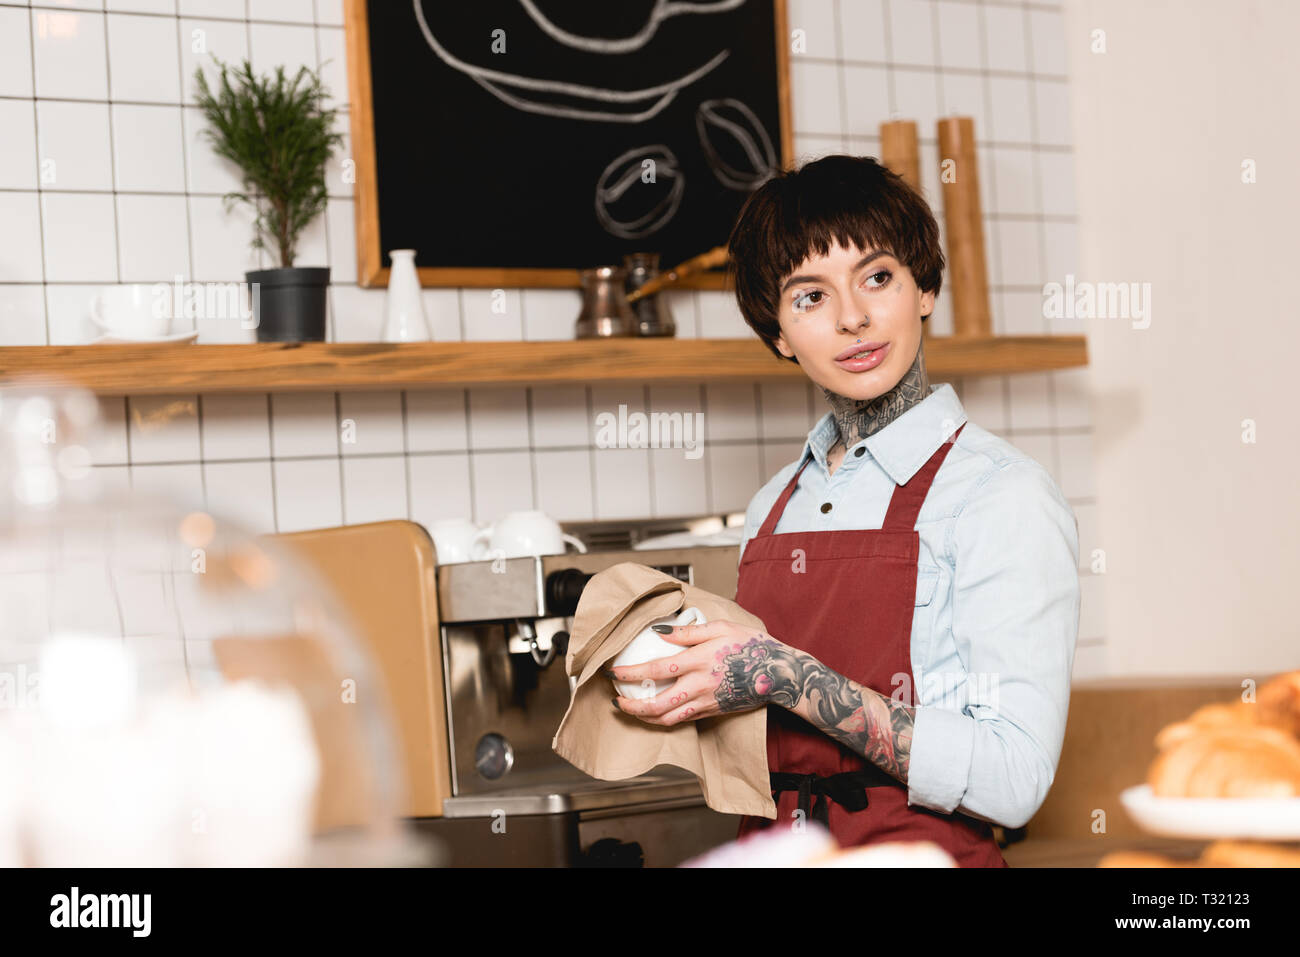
[{"x": 514, "y": 142}]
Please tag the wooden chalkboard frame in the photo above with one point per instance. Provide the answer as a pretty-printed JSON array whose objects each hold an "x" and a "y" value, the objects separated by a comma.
[{"x": 370, "y": 264}]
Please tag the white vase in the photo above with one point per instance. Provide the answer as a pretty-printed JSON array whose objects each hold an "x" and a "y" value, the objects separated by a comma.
[{"x": 403, "y": 309}]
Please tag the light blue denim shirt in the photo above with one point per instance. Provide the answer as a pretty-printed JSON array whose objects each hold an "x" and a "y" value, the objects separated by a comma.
[{"x": 997, "y": 599}]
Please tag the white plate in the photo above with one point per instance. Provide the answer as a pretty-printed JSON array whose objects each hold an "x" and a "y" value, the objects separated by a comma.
[
  {"x": 119, "y": 340},
  {"x": 1265, "y": 819}
]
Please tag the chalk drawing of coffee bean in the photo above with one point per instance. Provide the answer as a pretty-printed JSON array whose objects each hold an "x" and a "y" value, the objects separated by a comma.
[
  {"x": 631, "y": 199},
  {"x": 735, "y": 144}
]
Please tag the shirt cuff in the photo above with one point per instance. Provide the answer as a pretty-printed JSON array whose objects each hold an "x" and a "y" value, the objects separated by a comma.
[{"x": 939, "y": 767}]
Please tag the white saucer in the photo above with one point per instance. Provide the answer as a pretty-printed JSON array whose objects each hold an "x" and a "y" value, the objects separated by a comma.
[
  {"x": 725, "y": 536},
  {"x": 1263, "y": 819},
  {"x": 110, "y": 339}
]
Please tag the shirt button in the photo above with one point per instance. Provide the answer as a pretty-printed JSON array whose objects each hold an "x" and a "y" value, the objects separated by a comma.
[
  {"x": 826, "y": 507},
  {"x": 859, "y": 450}
]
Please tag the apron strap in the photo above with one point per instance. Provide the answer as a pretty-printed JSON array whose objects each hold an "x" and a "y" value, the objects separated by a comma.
[
  {"x": 847, "y": 789},
  {"x": 774, "y": 514},
  {"x": 905, "y": 503}
]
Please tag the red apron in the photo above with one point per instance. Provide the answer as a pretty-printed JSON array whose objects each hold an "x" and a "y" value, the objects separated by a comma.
[{"x": 850, "y": 607}]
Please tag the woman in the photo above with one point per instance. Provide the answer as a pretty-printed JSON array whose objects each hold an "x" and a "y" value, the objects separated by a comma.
[{"x": 918, "y": 576}]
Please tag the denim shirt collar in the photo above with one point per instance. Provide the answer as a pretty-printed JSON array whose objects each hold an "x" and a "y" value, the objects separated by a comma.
[{"x": 901, "y": 447}]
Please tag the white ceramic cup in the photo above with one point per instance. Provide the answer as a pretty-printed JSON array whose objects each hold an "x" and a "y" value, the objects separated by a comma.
[
  {"x": 649, "y": 646},
  {"x": 135, "y": 311},
  {"x": 453, "y": 538},
  {"x": 520, "y": 534}
]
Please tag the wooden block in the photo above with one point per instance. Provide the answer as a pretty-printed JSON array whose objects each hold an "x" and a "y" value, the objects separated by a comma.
[{"x": 964, "y": 221}]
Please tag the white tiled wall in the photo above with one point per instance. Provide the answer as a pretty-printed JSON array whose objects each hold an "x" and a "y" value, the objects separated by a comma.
[{"x": 105, "y": 179}]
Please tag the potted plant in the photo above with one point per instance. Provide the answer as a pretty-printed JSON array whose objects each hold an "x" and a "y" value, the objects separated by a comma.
[{"x": 280, "y": 135}]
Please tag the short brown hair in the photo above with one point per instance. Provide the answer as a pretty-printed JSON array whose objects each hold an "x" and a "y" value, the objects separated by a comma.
[{"x": 852, "y": 199}]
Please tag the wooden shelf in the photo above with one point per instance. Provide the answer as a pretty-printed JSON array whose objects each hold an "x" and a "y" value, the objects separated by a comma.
[{"x": 330, "y": 366}]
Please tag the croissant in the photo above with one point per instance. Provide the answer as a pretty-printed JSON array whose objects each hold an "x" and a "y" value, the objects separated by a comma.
[
  {"x": 1228, "y": 760},
  {"x": 1249, "y": 854},
  {"x": 1218, "y": 854},
  {"x": 1209, "y": 716},
  {"x": 1142, "y": 859},
  {"x": 1278, "y": 703}
]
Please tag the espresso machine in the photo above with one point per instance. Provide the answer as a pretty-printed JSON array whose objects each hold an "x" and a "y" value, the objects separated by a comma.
[{"x": 504, "y": 627}]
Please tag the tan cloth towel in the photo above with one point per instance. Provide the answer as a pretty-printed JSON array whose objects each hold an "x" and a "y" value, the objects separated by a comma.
[{"x": 727, "y": 752}]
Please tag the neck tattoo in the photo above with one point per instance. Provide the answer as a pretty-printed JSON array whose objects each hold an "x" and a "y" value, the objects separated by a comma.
[{"x": 859, "y": 418}]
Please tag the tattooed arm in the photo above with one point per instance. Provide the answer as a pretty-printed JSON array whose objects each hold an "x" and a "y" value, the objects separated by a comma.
[
  {"x": 762, "y": 670},
  {"x": 728, "y": 667}
]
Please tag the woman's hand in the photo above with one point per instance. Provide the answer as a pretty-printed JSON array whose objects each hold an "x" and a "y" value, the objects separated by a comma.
[{"x": 725, "y": 667}]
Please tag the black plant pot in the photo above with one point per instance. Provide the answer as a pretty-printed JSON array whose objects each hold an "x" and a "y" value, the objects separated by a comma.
[{"x": 289, "y": 304}]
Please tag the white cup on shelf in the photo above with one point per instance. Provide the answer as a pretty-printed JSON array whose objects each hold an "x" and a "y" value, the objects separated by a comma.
[
  {"x": 133, "y": 311},
  {"x": 453, "y": 539},
  {"x": 521, "y": 534}
]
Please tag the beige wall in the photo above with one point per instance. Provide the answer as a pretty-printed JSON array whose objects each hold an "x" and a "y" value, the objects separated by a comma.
[{"x": 1199, "y": 528}]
